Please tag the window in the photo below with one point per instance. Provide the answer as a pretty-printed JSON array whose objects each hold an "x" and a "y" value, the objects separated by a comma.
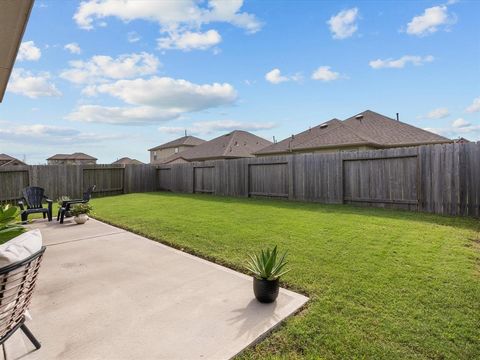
[
  {"x": 154, "y": 157},
  {"x": 176, "y": 150}
]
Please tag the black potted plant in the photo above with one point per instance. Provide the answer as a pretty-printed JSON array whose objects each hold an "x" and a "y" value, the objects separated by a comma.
[{"x": 267, "y": 267}]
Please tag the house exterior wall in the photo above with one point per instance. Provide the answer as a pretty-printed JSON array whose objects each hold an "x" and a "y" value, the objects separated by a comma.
[{"x": 156, "y": 156}]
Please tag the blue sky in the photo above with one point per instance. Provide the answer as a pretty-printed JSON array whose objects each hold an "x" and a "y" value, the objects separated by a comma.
[{"x": 114, "y": 78}]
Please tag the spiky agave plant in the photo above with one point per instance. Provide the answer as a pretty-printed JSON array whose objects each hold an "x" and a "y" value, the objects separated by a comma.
[{"x": 268, "y": 264}]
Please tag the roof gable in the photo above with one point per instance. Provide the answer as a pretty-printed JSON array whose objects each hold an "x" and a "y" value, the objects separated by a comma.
[
  {"x": 386, "y": 131},
  {"x": 183, "y": 141},
  {"x": 236, "y": 144},
  {"x": 366, "y": 128}
]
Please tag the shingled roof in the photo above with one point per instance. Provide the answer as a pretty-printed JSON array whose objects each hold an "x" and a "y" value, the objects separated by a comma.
[
  {"x": 74, "y": 156},
  {"x": 8, "y": 160},
  {"x": 364, "y": 129},
  {"x": 236, "y": 144},
  {"x": 127, "y": 161},
  {"x": 183, "y": 141}
]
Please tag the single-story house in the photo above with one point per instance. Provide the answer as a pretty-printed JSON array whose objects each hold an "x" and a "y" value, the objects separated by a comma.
[
  {"x": 234, "y": 145},
  {"x": 363, "y": 131},
  {"x": 128, "y": 161},
  {"x": 7, "y": 160},
  {"x": 77, "y": 158},
  {"x": 159, "y": 153}
]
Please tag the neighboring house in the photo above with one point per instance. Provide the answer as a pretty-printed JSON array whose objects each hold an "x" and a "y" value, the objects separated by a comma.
[
  {"x": 7, "y": 160},
  {"x": 367, "y": 130},
  {"x": 159, "y": 153},
  {"x": 128, "y": 161},
  {"x": 77, "y": 158},
  {"x": 461, "y": 140},
  {"x": 234, "y": 145}
]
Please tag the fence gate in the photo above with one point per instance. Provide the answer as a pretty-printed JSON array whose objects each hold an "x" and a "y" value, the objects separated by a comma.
[
  {"x": 388, "y": 180},
  {"x": 108, "y": 180},
  {"x": 268, "y": 179},
  {"x": 203, "y": 177}
]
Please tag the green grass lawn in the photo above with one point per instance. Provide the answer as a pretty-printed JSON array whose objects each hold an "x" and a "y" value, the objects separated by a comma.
[{"x": 383, "y": 284}]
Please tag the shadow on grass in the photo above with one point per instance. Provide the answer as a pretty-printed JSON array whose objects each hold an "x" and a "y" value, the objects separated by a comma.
[{"x": 468, "y": 223}]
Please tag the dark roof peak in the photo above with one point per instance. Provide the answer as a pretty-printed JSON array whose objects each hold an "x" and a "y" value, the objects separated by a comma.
[{"x": 187, "y": 140}]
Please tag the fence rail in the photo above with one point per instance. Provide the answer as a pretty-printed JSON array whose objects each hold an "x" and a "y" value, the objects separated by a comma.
[{"x": 443, "y": 179}]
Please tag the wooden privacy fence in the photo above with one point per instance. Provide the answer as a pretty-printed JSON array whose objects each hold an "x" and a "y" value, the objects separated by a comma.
[
  {"x": 73, "y": 180},
  {"x": 443, "y": 179}
]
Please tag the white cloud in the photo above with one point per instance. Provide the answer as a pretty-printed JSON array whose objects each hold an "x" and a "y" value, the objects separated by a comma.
[
  {"x": 209, "y": 127},
  {"x": 168, "y": 14},
  {"x": 73, "y": 47},
  {"x": 181, "y": 20},
  {"x": 463, "y": 127},
  {"x": 474, "y": 107},
  {"x": 275, "y": 77},
  {"x": 189, "y": 40},
  {"x": 430, "y": 21},
  {"x": 438, "y": 113},
  {"x": 99, "y": 68},
  {"x": 154, "y": 99},
  {"x": 343, "y": 24},
  {"x": 25, "y": 83},
  {"x": 460, "y": 123},
  {"x": 120, "y": 115},
  {"x": 133, "y": 37},
  {"x": 48, "y": 134},
  {"x": 401, "y": 62},
  {"x": 323, "y": 73},
  {"x": 459, "y": 128},
  {"x": 28, "y": 51},
  {"x": 175, "y": 94}
]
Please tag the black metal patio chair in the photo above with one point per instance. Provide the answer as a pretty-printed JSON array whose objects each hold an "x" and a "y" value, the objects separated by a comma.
[
  {"x": 32, "y": 203},
  {"x": 67, "y": 204},
  {"x": 17, "y": 282}
]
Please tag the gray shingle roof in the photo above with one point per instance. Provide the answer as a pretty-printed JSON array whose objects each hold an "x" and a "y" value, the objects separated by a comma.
[
  {"x": 366, "y": 128},
  {"x": 7, "y": 160},
  {"x": 236, "y": 144},
  {"x": 126, "y": 160},
  {"x": 74, "y": 156},
  {"x": 183, "y": 141}
]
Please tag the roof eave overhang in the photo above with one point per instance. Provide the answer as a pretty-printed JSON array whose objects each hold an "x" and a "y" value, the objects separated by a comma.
[{"x": 14, "y": 18}]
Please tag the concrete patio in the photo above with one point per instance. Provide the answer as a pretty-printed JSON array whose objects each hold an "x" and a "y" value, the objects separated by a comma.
[{"x": 106, "y": 293}]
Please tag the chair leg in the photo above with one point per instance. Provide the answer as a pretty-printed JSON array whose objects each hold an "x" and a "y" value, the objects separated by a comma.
[
  {"x": 24, "y": 217},
  {"x": 62, "y": 216},
  {"x": 58, "y": 214},
  {"x": 44, "y": 215},
  {"x": 30, "y": 336}
]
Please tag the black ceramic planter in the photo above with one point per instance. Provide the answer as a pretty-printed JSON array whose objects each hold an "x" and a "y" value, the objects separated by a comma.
[{"x": 266, "y": 291}]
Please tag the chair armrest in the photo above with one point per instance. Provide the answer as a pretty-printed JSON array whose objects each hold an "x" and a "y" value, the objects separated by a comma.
[{"x": 21, "y": 205}]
